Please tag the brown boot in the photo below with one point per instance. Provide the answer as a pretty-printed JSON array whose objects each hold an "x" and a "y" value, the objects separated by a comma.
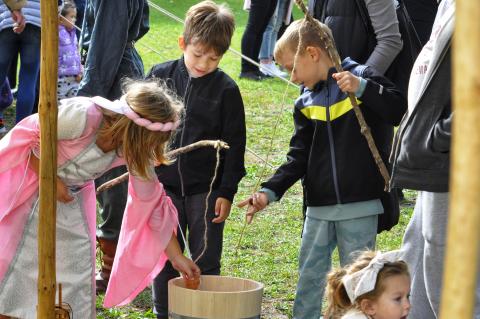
[
  {"x": 108, "y": 248},
  {"x": 4, "y": 317}
]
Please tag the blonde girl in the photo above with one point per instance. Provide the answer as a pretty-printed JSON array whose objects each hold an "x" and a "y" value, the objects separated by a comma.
[{"x": 94, "y": 135}]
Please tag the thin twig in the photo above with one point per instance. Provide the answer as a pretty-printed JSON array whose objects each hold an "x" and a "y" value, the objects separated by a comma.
[{"x": 215, "y": 144}]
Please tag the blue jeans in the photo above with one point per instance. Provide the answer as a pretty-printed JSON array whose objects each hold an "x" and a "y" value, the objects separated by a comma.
[
  {"x": 271, "y": 32},
  {"x": 27, "y": 44},
  {"x": 320, "y": 237}
]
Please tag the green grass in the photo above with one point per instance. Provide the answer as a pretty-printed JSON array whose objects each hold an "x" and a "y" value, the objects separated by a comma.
[{"x": 269, "y": 249}]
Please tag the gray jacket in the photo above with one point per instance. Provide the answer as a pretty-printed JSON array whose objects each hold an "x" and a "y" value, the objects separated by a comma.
[{"x": 421, "y": 153}]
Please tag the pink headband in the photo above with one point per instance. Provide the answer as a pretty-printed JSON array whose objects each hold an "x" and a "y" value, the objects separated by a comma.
[{"x": 121, "y": 107}]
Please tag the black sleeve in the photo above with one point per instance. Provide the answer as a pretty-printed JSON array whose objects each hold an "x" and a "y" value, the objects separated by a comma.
[
  {"x": 383, "y": 97},
  {"x": 234, "y": 133},
  {"x": 109, "y": 36},
  {"x": 297, "y": 157}
]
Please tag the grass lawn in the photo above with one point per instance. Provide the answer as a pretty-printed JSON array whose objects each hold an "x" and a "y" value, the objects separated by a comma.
[{"x": 269, "y": 249}]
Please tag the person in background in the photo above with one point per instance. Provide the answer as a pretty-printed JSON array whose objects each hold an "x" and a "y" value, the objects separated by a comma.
[
  {"x": 260, "y": 12},
  {"x": 422, "y": 13},
  {"x": 20, "y": 35},
  {"x": 282, "y": 14},
  {"x": 69, "y": 66}
]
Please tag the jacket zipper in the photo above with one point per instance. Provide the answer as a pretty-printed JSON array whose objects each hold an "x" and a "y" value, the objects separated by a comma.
[
  {"x": 332, "y": 148},
  {"x": 185, "y": 103}
]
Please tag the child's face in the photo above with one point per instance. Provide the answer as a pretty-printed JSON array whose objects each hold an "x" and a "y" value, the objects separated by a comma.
[
  {"x": 312, "y": 66},
  {"x": 199, "y": 60},
  {"x": 71, "y": 16},
  {"x": 394, "y": 302}
]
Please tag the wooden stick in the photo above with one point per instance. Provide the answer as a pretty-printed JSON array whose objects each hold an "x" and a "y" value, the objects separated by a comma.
[
  {"x": 461, "y": 256},
  {"x": 48, "y": 160},
  {"x": 215, "y": 144},
  {"x": 332, "y": 52}
]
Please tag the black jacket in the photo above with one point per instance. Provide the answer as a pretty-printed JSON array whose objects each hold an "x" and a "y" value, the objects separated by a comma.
[
  {"x": 328, "y": 150},
  {"x": 213, "y": 110},
  {"x": 422, "y": 144},
  {"x": 348, "y": 29}
]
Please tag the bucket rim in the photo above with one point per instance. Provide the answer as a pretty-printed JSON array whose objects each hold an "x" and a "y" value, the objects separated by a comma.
[{"x": 260, "y": 286}]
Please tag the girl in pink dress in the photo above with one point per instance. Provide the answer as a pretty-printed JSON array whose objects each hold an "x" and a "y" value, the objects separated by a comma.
[{"x": 94, "y": 135}]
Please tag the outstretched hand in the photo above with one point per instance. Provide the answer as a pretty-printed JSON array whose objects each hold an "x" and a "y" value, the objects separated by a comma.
[{"x": 256, "y": 202}]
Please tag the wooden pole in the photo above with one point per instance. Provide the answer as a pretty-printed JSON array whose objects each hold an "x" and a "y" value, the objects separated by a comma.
[
  {"x": 464, "y": 215},
  {"x": 48, "y": 160}
]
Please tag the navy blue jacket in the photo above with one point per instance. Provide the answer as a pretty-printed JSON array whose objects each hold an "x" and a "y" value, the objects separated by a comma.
[{"x": 327, "y": 149}]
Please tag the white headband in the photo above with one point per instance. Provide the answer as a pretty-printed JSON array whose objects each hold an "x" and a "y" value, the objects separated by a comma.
[
  {"x": 121, "y": 107},
  {"x": 364, "y": 280}
]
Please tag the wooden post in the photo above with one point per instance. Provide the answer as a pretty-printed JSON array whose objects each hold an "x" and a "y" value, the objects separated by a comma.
[
  {"x": 48, "y": 160},
  {"x": 458, "y": 293}
]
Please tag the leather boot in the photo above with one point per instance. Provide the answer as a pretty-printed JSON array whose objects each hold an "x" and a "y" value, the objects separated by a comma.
[
  {"x": 4, "y": 317},
  {"x": 108, "y": 248}
]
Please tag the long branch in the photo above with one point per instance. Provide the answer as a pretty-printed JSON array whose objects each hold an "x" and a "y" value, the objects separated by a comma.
[
  {"x": 335, "y": 57},
  {"x": 215, "y": 144}
]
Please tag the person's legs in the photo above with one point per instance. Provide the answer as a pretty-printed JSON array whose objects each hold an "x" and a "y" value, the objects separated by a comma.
[
  {"x": 8, "y": 49},
  {"x": 354, "y": 235},
  {"x": 260, "y": 13},
  {"x": 434, "y": 230},
  {"x": 413, "y": 247},
  {"x": 318, "y": 243},
  {"x": 29, "y": 68},
  {"x": 160, "y": 283}
]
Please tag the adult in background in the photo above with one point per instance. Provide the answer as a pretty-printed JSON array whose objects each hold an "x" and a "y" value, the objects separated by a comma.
[
  {"x": 282, "y": 14},
  {"x": 343, "y": 17},
  {"x": 260, "y": 12},
  {"x": 109, "y": 31},
  {"x": 421, "y": 162},
  {"x": 80, "y": 4},
  {"x": 20, "y": 34}
]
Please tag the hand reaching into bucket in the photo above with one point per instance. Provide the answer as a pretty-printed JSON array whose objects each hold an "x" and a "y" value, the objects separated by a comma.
[
  {"x": 182, "y": 264},
  {"x": 256, "y": 202}
]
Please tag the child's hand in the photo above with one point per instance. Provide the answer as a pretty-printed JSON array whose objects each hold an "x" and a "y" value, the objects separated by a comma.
[
  {"x": 78, "y": 77},
  {"x": 62, "y": 192},
  {"x": 186, "y": 267},
  {"x": 222, "y": 210},
  {"x": 347, "y": 82},
  {"x": 256, "y": 202}
]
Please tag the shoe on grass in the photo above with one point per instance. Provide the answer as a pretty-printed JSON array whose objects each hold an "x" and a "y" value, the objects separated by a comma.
[{"x": 272, "y": 70}]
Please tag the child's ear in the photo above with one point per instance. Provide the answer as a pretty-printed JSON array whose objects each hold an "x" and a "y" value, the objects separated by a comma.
[
  {"x": 368, "y": 307},
  {"x": 313, "y": 53},
  {"x": 181, "y": 43}
]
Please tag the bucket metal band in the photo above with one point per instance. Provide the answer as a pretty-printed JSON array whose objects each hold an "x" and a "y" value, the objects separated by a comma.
[{"x": 175, "y": 316}]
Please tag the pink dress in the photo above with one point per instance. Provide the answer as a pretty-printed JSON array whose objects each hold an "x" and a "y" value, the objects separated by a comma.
[{"x": 148, "y": 224}]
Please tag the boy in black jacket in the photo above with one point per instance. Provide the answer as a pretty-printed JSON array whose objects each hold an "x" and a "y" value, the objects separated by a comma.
[
  {"x": 213, "y": 110},
  {"x": 342, "y": 184}
]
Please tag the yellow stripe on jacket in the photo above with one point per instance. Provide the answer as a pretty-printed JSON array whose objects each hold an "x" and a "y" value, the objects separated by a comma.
[{"x": 318, "y": 112}]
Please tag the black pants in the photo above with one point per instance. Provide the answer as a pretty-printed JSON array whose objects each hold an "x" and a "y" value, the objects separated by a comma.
[
  {"x": 260, "y": 13},
  {"x": 191, "y": 211},
  {"x": 112, "y": 204}
]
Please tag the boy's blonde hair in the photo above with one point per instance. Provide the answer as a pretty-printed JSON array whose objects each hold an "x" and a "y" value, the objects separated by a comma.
[
  {"x": 209, "y": 24},
  {"x": 290, "y": 39},
  {"x": 139, "y": 146},
  {"x": 339, "y": 302}
]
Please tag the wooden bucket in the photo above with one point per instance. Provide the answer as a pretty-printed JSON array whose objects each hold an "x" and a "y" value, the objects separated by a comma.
[{"x": 218, "y": 297}]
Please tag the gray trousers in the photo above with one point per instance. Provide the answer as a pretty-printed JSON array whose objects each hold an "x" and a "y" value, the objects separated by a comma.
[
  {"x": 424, "y": 245},
  {"x": 191, "y": 211}
]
